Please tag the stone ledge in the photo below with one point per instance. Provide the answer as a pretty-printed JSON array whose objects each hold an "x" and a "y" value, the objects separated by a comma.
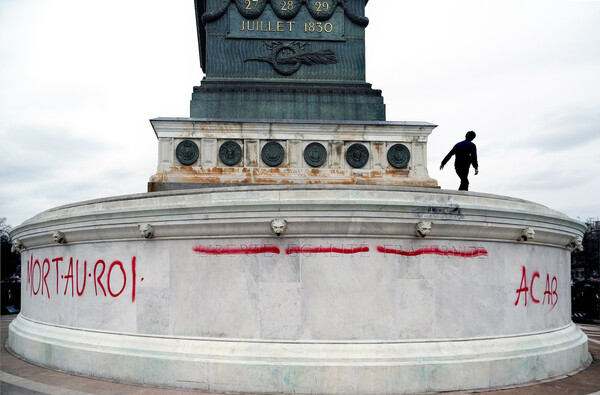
[
  {"x": 352, "y": 211},
  {"x": 292, "y": 367}
]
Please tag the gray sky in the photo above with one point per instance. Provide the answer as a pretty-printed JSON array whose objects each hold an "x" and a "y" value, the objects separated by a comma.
[{"x": 80, "y": 79}]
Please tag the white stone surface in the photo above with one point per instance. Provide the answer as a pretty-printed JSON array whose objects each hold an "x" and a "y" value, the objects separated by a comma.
[
  {"x": 347, "y": 300},
  {"x": 336, "y": 137}
]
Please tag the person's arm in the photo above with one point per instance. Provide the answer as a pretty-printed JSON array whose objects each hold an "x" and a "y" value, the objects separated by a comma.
[{"x": 447, "y": 158}]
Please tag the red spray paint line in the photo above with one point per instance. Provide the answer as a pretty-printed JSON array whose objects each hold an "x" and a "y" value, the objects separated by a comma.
[
  {"x": 435, "y": 251},
  {"x": 237, "y": 250},
  {"x": 325, "y": 250}
]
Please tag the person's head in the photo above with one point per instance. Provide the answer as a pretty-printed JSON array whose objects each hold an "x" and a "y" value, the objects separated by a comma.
[{"x": 470, "y": 135}]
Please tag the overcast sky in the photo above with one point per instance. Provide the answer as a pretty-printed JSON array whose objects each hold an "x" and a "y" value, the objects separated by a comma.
[{"x": 80, "y": 79}]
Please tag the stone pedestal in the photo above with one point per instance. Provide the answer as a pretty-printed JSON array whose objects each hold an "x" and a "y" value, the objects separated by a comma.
[
  {"x": 219, "y": 152},
  {"x": 301, "y": 289}
]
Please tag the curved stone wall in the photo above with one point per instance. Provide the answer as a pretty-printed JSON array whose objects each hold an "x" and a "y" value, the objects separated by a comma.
[{"x": 351, "y": 290}]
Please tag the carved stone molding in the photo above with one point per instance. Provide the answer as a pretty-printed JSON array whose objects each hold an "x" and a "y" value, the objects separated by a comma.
[
  {"x": 527, "y": 234},
  {"x": 278, "y": 226},
  {"x": 575, "y": 244},
  {"x": 423, "y": 228},
  {"x": 17, "y": 246},
  {"x": 59, "y": 237},
  {"x": 146, "y": 230}
]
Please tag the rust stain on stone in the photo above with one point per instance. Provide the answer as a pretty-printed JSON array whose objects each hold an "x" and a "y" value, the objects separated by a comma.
[
  {"x": 339, "y": 149},
  {"x": 282, "y": 175}
]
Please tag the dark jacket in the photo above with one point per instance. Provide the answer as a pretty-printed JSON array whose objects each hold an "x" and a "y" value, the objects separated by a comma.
[{"x": 466, "y": 154}]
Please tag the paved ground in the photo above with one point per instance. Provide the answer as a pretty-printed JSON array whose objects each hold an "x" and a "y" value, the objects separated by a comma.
[{"x": 19, "y": 377}]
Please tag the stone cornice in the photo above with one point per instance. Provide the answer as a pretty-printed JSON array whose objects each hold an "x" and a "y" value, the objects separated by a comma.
[
  {"x": 287, "y": 130},
  {"x": 330, "y": 211}
]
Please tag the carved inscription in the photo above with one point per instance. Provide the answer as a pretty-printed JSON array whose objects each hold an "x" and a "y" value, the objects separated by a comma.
[{"x": 270, "y": 25}]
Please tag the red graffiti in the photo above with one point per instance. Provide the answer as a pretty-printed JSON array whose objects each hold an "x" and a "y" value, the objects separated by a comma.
[
  {"x": 307, "y": 250},
  {"x": 241, "y": 250},
  {"x": 56, "y": 262},
  {"x": 464, "y": 252},
  {"x": 69, "y": 277},
  {"x": 523, "y": 287},
  {"x": 45, "y": 279},
  {"x": 115, "y": 279},
  {"x": 134, "y": 277},
  {"x": 435, "y": 250},
  {"x": 31, "y": 275},
  {"x": 79, "y": 293},
  {"x": 124, "y": 279},
  {"x": 550, "y": 294},
  {"x": 98, "y": 279}
]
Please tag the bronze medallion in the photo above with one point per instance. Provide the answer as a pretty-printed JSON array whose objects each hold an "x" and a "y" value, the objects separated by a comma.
[
  {"x": 398, "y": 156},
  {"x": 187, "y": 152},
  {"x": 230, "y": 153},
  {"x": 272, "y": 154},
  {"x": 315, "y": 154},
  {"x": 357, "y": 155}
]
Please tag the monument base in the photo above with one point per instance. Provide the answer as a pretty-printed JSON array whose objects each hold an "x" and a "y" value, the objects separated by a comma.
[
  {"x": 304, "y": 367},
  {"x": 217, "y": 152},
  {"x": 287, "y": 100},
  {"x": 301, "y": 289}
]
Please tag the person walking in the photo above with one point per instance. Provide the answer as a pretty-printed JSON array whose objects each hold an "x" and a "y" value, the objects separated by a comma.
[{"x": 465, "y": 154}]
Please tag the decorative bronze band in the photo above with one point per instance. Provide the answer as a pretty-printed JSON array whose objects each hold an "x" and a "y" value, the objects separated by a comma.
[{"x": 286, "y": 10}]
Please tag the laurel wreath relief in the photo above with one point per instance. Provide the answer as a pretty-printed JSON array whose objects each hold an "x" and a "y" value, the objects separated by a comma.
[{"x": 286, "y": 59}]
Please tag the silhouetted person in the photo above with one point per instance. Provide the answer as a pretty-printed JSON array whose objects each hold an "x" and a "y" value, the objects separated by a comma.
[{"x": 465, "y": 155}]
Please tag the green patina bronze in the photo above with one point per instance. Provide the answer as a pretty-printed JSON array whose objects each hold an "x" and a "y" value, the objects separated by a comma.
[
  {"x": 398, "y": 156},
  {"x": 187, "y": 152},
  {"x": 276, "y": 59},
  {"x": 230, "y": 153},
  {"x": 357, "y": 155},
  {"x": 272, "y": 153},
  {"x": 315, "y": 154}
]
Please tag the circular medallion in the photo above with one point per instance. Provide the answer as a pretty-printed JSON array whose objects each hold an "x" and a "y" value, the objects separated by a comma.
[
  {"x": 357, "y": 155},
  {"x": 230, "y": 153},
  {"x": 315, "y": 154},
  {"x": 398, "y": 156},
  {"x": 187, "y": 152},
  {"x": 272, "y": 154}
]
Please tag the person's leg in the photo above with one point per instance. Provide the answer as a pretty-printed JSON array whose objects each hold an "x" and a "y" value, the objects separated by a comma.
[{"x": 463, "y": 174}]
